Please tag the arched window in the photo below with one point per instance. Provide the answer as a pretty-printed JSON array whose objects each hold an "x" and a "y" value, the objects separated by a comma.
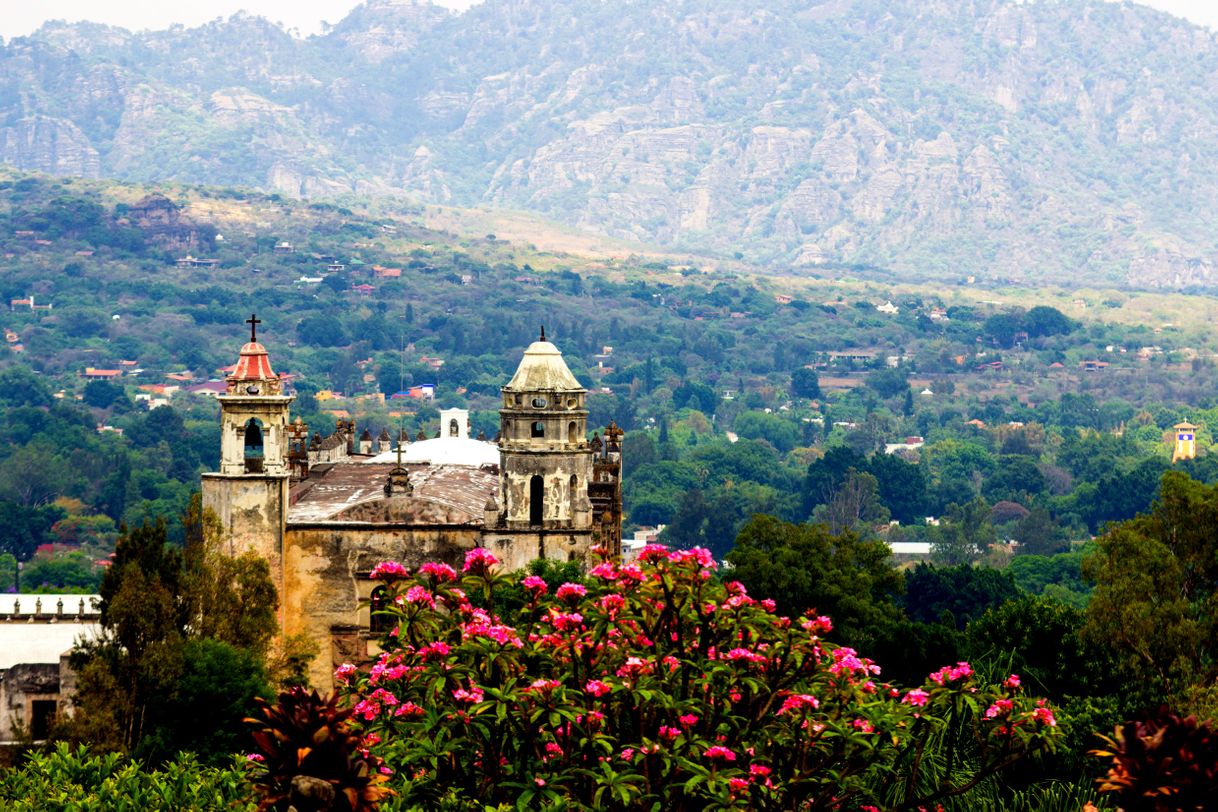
[
  {"x": 574, "y": 485},
  {"x": 539, "y": 429},
  {"x": 539, "y": 402},
  {"x": 453, "y": 429},
  {"x": 537, "y": 496},
  {"x": 253, "y": 446},
  {"x": 572, "y": 432},
  {"x": 378, "y": 621}
]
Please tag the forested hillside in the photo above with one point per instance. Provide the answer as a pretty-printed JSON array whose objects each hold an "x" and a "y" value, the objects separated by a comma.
[{"x": 1001, "y": 140}]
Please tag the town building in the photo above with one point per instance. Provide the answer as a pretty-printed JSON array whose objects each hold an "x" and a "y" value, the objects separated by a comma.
[{"x": 324, "y": 512}]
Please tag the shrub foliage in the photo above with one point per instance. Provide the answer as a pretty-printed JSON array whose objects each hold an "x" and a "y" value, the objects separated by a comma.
[{"x": 658, "y": 686}]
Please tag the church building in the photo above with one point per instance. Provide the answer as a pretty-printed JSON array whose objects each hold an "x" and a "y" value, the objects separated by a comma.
[{"x": 323, "y": 513}]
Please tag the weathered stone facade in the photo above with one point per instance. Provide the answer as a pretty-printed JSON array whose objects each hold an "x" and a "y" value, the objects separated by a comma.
[{"x": 324, "y": 516}]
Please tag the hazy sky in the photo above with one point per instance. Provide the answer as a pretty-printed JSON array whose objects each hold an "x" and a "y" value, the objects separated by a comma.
[{"x": 306, "y": 15}]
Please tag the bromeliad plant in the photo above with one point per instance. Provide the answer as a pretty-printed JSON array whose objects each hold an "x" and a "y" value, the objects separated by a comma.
[
  {"x": 305, "y": 738},
  {"x": 656, "y": 686}
]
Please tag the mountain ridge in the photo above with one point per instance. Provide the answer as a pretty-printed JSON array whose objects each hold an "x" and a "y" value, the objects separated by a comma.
[{"x": 992, "y": 139}]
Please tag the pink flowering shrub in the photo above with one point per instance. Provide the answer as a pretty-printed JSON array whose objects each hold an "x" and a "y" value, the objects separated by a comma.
[{"x": 655, "y": 685}]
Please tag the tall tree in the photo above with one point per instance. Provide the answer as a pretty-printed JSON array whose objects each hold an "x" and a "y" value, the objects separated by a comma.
[{"x": 1156, "y": 594}]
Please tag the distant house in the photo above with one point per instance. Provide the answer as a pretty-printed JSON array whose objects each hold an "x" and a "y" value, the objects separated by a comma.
[
  {"x": 381, "y": 272},
  {"x": 889, "y": 308},
  {"x": 434, "y": 363},
  {"x": 102, "y": 374},
  {"x": 783, "y": 299},
  {"x": 208, "y": 389},
  {"x": 284, "y": 247},
  {"x": 14, "y": 304},
  {"x": 1092, "y": 366},
  {"x": 363, "y": 290},
  {"x": 424, "y": 391},
  {"x": 335, "y": 267},
  {"x": 192, "y": 262},
  {"x": 852, "y": 356}
]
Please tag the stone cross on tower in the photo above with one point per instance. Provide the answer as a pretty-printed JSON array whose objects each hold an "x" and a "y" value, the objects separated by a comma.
[{"x": 253, "y": 321}]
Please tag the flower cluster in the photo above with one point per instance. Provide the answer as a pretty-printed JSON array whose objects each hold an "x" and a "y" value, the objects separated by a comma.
[{"x": 644, "y": 677}]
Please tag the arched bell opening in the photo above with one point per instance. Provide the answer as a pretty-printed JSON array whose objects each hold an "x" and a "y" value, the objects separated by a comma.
[{"x": 253, "y": 451}]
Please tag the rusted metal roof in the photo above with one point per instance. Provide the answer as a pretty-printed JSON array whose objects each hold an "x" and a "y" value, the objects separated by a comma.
[{"x": 355, "y": 492}]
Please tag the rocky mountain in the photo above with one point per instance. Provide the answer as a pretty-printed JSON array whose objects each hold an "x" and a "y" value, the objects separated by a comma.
[{"x": 1058, "y": 140}]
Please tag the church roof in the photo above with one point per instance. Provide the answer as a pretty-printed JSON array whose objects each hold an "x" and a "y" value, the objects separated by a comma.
[
  {"x": 354, "y": 492},
  {"x": 542, "y": 369}
]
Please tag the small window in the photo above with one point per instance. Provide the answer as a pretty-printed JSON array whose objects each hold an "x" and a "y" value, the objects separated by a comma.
[
  {"x": 572, "y": 432},
  {"x": 572, "y": 403},
  {"x": 540, "y": 403},
  {"x": 539, "y": 429},
  {"x": 378, "y": 622},
  {"x": 537, "y": 496}
]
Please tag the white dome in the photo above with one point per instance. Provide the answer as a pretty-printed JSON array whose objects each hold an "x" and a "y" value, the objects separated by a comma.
[{"x": 444, "y": 451}]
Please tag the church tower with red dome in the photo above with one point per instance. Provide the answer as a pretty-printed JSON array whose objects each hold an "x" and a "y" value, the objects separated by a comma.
[{"x": 249, "y": 494}]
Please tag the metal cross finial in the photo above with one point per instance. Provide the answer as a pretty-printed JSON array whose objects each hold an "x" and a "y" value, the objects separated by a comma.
[
  {"x": 543, "y": 332},
  {"x": 253, "y": 321}
]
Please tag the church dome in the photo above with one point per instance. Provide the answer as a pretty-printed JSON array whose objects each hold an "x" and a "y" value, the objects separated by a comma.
[
  {"x": 542, "y": 369},
  {"x": 254, "y": 364}
]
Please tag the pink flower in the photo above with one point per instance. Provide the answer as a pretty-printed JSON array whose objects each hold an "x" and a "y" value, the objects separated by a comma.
[
  {"x": 1000, "y": 708},
  {"x": 543, "y": 686},
  {"x": 597, "y": 688},
  {"x": 797, "y": 702},
  {"x": 653, "y": 552},
  {"x": 737, "y": 654},
  {"x": 634, "y": 667},
  {"x": 420, "y": 595},
  {"x": 611, "y": 604},
  {"x": 434, "y": 651},
  {"x": 1043, "y": 715},
  {"x": 1012, "y": 681},
  {"x": 863, "y": 725},
  {"x": 669, "y": 733},
  {"x": 737, "y": 784},
  {"x": 816, "y": 625},
  {"x": 472, "y": 696},
  {"x": 627, "y": 754},
  {"x": 409, "y": 709},
  {"x": 258, "y": 757},
  {"x": 344, "y": 673},
  {"x": 845, "y": 660},
  {"x": 688, "y": 720},
  {"x": 631, "y": 573},
  {"x": 951, "y": 673},
  {"x": 440, "y": 572},
  {"x": 571, "y": 592},
  {"x": 566, "y": 622},
  {"x": 758, "y": 770},
  {"x": 479, "y": 560},
  {"x": 605, "y": 571},
  {"x": 388, "y": 571},
  {"x": 553, "y": 750},
  {"x": 768, "y": 604},
  {"x": 534, "y": 584},
  {"x": 719, "y": 753},
  {"x": 917, "y": 697},
  {"x": 541, "y": 782}
]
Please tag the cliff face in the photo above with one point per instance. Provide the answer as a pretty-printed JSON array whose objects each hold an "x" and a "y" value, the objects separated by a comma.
[{"x": 989, "y": 138}]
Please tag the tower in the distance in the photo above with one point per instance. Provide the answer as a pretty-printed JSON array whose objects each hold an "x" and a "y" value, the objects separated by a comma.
[{"x": 249, "y": 494}]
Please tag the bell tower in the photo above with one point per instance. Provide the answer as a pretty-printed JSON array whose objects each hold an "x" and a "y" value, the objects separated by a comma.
[
  {"x": 249, "y": 494},
  {"x": 545, "y": 459}
]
